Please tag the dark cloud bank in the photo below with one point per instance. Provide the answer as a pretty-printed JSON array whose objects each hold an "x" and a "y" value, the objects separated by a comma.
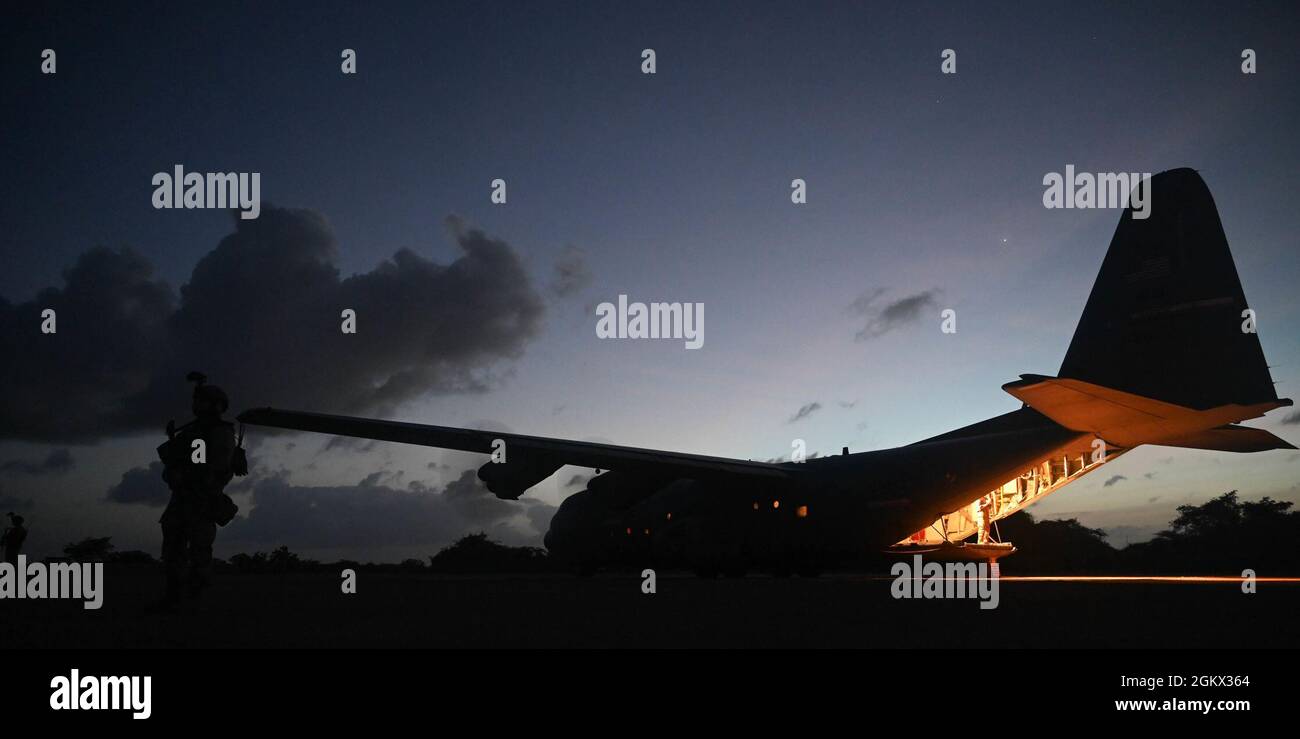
[
  {"x": 56, "y": 462},
  {"x": 261, "y": 315},
  {"x": 365, "y": 516}
]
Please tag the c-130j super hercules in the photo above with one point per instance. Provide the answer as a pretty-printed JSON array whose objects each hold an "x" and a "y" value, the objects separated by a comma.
[{"x": 1160, "y": 356}]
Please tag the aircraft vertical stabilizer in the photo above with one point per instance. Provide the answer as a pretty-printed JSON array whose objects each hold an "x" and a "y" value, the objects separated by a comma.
[{"x": 1164, "y": 320}]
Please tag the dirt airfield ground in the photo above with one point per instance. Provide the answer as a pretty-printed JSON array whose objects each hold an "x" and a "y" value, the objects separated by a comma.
[{"x": 609, "y": 610}]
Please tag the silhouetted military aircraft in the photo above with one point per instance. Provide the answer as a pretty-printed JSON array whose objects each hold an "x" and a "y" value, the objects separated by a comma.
[{"x": 1164, "y": 354}]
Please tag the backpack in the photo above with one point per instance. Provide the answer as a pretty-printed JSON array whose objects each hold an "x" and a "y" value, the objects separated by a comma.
[{"x": 222, "y": 509}]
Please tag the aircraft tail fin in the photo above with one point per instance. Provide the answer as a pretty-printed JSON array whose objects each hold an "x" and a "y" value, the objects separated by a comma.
[{"x": 1165, "y": 317}]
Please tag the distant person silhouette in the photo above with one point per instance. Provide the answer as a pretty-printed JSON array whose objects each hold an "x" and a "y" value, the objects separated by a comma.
[
  {"x": 198, "y": 501},
  {"x": 13, "y": 539},
  {"x": 984, "y": 518}
]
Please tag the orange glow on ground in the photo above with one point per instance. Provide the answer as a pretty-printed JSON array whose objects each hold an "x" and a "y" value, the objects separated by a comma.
[
  {"x": 1144, "y": 578},
  {"x": 1125, "y": 578}
]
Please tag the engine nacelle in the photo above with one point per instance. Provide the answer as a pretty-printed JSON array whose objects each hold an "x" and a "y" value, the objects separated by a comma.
[{"x": 511, "y": 479}]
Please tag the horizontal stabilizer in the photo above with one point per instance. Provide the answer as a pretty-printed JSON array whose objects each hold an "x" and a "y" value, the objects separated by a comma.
[
  {"x": 1128, "y": 420},
  {"x": 1231, "y": 438}
]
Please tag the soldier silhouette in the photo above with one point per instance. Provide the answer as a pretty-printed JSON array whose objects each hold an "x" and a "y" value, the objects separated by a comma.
[
  {"x": 984, "y": 518},
  {"x": 13, "y": 538},
  {"x": 197, "y": 474}
]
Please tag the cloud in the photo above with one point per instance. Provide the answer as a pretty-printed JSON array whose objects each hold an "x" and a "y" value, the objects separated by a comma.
[
  {"x": 261, "y": 315},
  {"x": 56, "y": 462},
  {"x": 538, "y": 514},
  {"x": 348, "y": 443},
  {"x": 1114, "y": 479},
  {"x": 378, "y": 516},
  {"x": 369, "y": 515},
  {"x": 471, "y": 499},
  {"x": 111, "y": 318},
  {"x": 141, "y": 485},
  {"x": 881, "y": 319},
  {"x": 11, "y": 503},
  {"x": 805, "y": 411},
  {"x": 571, "y": 272}
]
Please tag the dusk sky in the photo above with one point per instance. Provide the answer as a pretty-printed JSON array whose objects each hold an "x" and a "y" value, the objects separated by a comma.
[{"x": 924, "y": 190}]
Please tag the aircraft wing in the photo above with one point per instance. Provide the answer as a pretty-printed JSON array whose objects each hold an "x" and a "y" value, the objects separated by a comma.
[{"x": 529, "y": 459}]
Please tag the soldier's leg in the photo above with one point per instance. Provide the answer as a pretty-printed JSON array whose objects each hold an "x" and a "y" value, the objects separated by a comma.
[{"x": 201, "y": 536}]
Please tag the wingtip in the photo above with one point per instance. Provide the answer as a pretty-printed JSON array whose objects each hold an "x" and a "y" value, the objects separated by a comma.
[{"x": 1026, "y": 380}]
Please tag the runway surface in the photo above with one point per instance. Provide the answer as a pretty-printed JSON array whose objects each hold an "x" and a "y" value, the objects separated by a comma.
[{"x": 610, "y": 610}]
